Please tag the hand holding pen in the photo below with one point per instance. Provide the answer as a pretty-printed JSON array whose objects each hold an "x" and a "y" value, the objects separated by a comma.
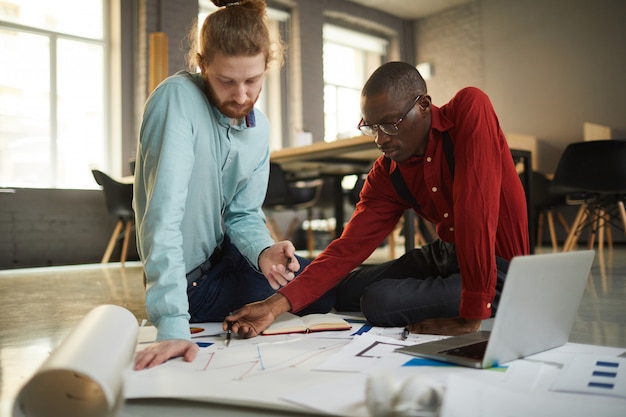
[
  {"x": 279, "y": 263},
  {"x": 229, "y": 333}
]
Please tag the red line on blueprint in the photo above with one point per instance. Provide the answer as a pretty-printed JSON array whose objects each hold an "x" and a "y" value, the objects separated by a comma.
[
  {"x": 249, "y": 370},
  {"x": 209, "y": 361},
  {"x": 320, "y": 351}
]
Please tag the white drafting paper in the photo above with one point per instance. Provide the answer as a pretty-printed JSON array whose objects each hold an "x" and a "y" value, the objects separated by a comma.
[
  {"x": 373, "y": 350},
  {"x": 369, "y": 354},
  {"x": 347, "y": 397},
  {"x": 367, "y": 351},
  {"x": 468, "y": 397},
  {"x": 83, "y": 375},
  {"x": 592, "y": 374},
  {"x": 341, "y": 397},
  {"x": 250, "y": 372}
]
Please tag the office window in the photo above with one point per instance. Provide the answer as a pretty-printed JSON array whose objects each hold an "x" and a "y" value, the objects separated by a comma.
[
  {"x": 349, "y": 58},
  {"x": 271, "y": 99},
  {"x": 52, "y": 94}
]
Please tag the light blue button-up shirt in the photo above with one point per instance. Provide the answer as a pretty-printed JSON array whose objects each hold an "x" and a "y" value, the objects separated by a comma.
[{"x": 199, "y": 175}]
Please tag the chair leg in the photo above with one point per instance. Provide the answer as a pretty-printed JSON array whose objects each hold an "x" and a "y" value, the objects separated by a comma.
[
  {"x": 111, "y": 245},
  {"x": 431, "y": 230},
  {"x": 609, "y": 233},
  {"x": 555, "y": 245},
  {"x": 593, "y": 227},
  {"x": 574, "y": 232},
  {"x": 292, "y": 228},
  {"x": 562, "y": 220},
  {"x": 420, "y": 240},
  {"x": 310, "y": 234},
  {"x": 129, "y": 224},
  {"x": 391, "y": 239},
  {"x": 601, "y": 229},
  {"x": 622, "y": 213},
  {"x": 273, "y": 229},
  {"x": 539, "y": 228}
]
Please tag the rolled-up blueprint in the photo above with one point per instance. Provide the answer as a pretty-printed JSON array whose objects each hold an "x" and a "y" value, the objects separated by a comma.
[{"x": 83, "y": 375}]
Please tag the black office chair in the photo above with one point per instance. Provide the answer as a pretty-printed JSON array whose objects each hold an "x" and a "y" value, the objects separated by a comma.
[
  {"x": 284, "y": 195},
  {"x": 119, "y": 202},
  {"x": 321, "y": 215},
  {"x": 593, "y": 175},
  {"x": 418, "y": 223},
  {"x": 545, "y": 204}
]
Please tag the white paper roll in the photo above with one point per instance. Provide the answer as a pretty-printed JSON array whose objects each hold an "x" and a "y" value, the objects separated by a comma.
[{"x": 83, "y": 375}]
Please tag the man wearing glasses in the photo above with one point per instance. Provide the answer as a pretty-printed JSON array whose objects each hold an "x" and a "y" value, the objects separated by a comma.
[{"x": 457, "y": 173}]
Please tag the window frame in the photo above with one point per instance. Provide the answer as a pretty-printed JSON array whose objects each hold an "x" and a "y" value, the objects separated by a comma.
[
  {"x": 54, "y": 38},
  {"x": 348, "y": 37}
]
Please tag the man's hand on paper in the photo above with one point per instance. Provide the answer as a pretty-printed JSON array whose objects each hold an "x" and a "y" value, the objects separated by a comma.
[
  {"x": 278, "y": 263},
  {"x": 251, "y": 319},
  {"x": 161, "y": 352},
  {"x": 452, "y": 326}
]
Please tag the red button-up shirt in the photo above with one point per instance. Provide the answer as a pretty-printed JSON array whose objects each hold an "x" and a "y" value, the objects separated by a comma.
[{"x": 482, "y": 211}]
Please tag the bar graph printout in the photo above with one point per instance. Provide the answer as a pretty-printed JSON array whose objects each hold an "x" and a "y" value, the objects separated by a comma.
[{"x": 593, "y": 374}]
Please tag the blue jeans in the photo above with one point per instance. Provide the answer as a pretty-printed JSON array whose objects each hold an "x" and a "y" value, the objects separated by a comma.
[
  {"x": 423, "y": 283},
  {"x": 231, "y": 282}
]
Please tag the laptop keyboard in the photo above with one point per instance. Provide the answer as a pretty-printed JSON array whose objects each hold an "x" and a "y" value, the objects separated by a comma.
[{"x": 473, "y": 351}]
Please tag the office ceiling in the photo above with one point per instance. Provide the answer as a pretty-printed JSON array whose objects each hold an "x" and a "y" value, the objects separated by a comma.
[{"x": 411, "y": 9}]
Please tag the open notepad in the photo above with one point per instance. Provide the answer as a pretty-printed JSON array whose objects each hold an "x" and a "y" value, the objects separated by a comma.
[{"x": 290, "y": 323}]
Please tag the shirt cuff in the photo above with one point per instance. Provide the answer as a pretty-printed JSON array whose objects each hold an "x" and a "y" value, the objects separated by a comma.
[
  {"x": 173, "y": 328},
  {"x": 291, "y": 293},
  {"x": 475, "y": 305}
]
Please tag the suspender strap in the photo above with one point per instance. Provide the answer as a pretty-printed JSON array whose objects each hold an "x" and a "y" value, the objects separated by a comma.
[
  {"x": 448, "y": 151},
  {"x": 400, "y": 185}
]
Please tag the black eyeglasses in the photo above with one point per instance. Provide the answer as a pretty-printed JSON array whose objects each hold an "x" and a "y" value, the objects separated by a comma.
[{"x": 387, "y": 128}]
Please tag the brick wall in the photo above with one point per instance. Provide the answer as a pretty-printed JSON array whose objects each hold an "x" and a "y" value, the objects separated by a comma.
[
  {"x": 451, "y": 42},
  {"x": 41, "y": 227}
]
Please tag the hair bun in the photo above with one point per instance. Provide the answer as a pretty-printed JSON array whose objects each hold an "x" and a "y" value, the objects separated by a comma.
[{"x": 222, "y": 3}]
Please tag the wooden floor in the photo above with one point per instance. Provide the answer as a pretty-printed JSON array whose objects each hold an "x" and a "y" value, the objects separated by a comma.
[{"x": 38, "y": 307}]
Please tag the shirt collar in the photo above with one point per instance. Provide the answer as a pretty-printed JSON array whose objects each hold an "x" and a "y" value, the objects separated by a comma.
[
  {"x": 237, "y": 124},
  {"x": 439, "y": 121}
]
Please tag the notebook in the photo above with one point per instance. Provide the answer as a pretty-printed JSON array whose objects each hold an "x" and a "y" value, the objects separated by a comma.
[{"x": 536, "y": 312}]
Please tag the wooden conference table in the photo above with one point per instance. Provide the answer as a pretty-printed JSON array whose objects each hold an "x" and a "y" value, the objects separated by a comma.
[{"x": 355, "y": 156}]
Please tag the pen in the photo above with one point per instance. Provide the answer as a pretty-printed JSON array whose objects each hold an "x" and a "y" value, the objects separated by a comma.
[
  {"x": 405, "y": 332},
  {"x": 287, "y": 265},
  {"x": 229, "y": 332}
]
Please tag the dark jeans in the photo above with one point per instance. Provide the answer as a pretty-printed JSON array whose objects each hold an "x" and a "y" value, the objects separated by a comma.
[
  {"x": 423, "y": 283},
  {"x": 231, "y": 282}
]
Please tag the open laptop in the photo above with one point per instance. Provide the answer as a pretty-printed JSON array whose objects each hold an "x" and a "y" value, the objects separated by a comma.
[{"x": 536, "y": 312}]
